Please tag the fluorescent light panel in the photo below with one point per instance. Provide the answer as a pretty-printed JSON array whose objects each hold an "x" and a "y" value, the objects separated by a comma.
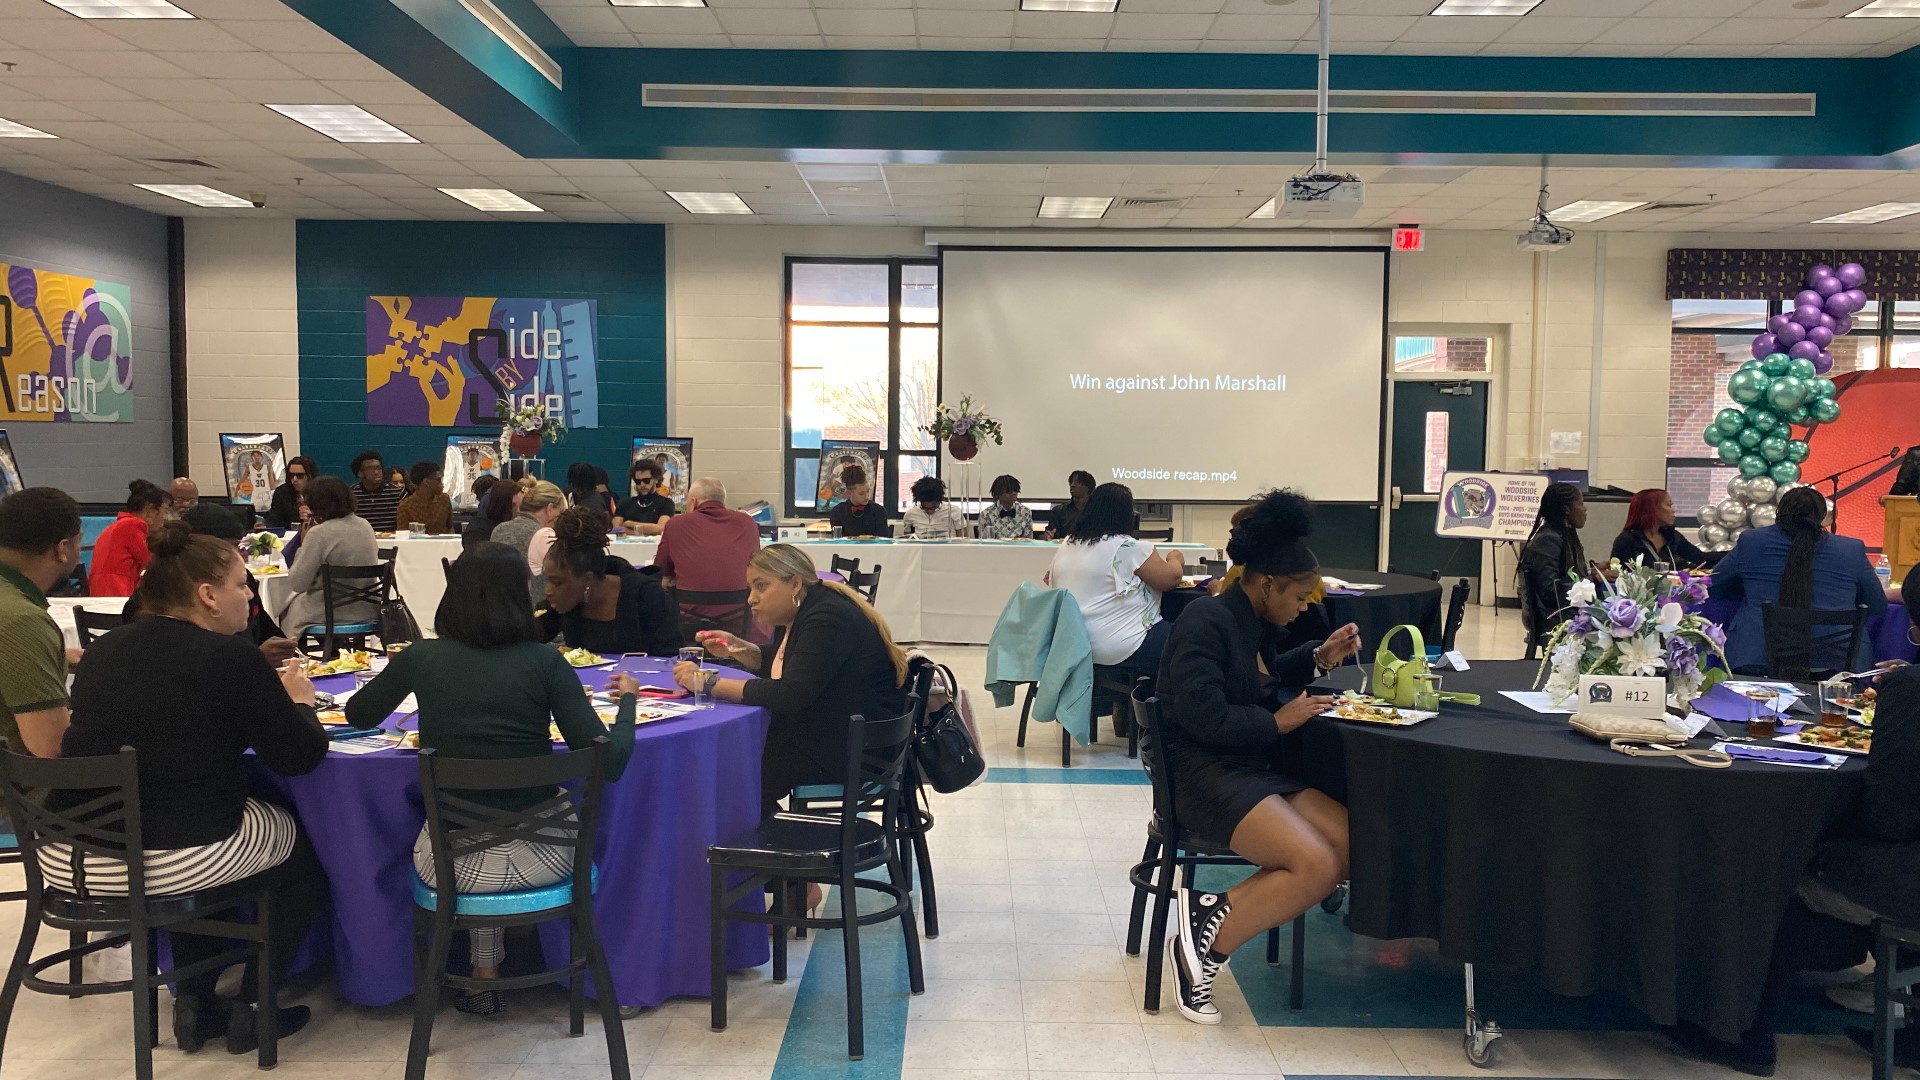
[
  {"x": 659, "y": 3},
  {"x": 492, "y": 198},
  {"x": 1868, "y": 215},
  {"x": 1510, "y": 8},
  {"x": 1267, "y": 209},
  {"x": 121, "y": 9},
  {"x": 344, "y": 123},
  {"x": 197, "y": 194},
  {"x": 1075, "y": 206},
  {"x": 1592, "y": 210},
  {"x": 710, "y": 202},
  {"x": 515, "y": 38},
  {"x": 1070, "y": 5},
  {"x": 11, "y": 130},
  {"x": 1887, "y": 9}
]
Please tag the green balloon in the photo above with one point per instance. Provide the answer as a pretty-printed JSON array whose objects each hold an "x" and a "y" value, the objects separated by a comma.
[
  {"x": 1787, "y": 393},
  {"x": 1712, "y": 435},
  {"x": 1822, "y": 388},
  {"x": 1750, "y": 365},
  {"x": 1801, "y": 368},
  {"x": 1730, "y": 452},
  {"x": 1748, "y": 386},
  {"x": 1776, "y": 365},
  {"x": 1773, "y": 447},
  {"x": 1786, "y": 472},
  {"x": 1750, "y": 438},
  {"x": 1797, "y": 450},
  {"x": 1825, "y": 410},
  {"x": 1801, "y": 416},
  {"x": 1752, "y": 465},
  {"x": 1761, "y": 418}
]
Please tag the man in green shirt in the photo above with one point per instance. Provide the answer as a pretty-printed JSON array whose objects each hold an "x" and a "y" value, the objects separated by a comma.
[{"x": 39, "y": 545}]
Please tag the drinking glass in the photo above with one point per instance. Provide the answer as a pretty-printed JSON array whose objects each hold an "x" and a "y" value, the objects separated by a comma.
[
  {"x": 1765, "y": 719},
  {"x": 416, "y": 528},
  {"x": 697, "y": 655},
  {"x": 1426, "y": 693},
  {"x": 1834, "y": 698}
]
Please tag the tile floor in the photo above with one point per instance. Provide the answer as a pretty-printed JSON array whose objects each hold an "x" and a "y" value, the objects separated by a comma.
[{"x": 1027, "y": 979}]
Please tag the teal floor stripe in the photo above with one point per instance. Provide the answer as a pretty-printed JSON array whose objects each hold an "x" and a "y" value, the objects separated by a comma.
[
  {"x": 1014, "y": 775},
  {"x": 815, "y": 1046}
]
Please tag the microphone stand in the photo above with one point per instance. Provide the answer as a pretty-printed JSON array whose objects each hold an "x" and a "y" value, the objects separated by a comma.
[{"x": 1834, "y": 479}]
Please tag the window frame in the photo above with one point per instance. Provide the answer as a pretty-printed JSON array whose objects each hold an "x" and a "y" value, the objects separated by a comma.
[{"x": 891, "y": 452}]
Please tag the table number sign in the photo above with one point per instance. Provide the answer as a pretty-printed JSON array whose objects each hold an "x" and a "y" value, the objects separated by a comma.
[{"x": 1623, "y": 696}]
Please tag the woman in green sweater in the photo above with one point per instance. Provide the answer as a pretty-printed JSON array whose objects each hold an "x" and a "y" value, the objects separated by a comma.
[{"x": 487, "y": 688}]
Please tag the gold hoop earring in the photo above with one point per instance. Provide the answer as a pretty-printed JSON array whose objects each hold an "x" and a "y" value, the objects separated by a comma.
[{"x": 796, "y": 598}]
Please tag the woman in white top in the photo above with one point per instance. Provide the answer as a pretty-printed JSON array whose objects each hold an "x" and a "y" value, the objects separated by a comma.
[
  {"x": 1117, "y": 581},
  {"x": 931, "y": 515}
]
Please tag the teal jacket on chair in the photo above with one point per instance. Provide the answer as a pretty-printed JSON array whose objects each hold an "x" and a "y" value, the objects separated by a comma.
[{"x": 1041, "y": 639}]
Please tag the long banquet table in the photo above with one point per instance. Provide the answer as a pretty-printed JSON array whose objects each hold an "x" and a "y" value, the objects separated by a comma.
[{"x": 693, "y": 780}]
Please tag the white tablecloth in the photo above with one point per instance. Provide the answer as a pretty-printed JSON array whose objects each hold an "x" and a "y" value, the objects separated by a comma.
[{"x": 61, "y": 608}]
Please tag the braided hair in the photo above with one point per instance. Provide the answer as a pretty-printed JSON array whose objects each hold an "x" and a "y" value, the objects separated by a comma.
[
  {"x": 580, "y": 542},
  {"x": 1802, "y": 516},
  {"x": 1554, "y": 504}
]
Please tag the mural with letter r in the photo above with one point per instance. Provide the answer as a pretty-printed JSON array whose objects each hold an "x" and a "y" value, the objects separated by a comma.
[{"x": 445, "y": 361}]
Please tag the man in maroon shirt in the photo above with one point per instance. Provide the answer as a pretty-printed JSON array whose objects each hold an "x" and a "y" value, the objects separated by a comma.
[{"x": 706, "y": 550}]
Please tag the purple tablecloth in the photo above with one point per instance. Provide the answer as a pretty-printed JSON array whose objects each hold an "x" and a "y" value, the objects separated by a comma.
[
  {"x": 693, "y": 781},
  {"x": 1886, "y": 632}
]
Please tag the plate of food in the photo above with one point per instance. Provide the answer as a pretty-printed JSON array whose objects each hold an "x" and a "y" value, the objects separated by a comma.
[
  {"x": 1373, "y": 710},
  {"x": 584, "y": 658},
  {"x": 332, "y": 718},
  {"x": 345, "y": 664},
  {"x": 1847, "y": 740}
]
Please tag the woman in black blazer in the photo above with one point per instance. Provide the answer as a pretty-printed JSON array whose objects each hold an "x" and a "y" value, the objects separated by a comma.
[
  {"x": 1651, "y": 537},
  {"x": 832, "y": 658},
  {"x": 1227, "y": 694}
]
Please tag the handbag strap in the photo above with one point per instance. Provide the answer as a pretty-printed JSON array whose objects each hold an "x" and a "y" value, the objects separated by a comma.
[{"x": 1706, "y": 759}]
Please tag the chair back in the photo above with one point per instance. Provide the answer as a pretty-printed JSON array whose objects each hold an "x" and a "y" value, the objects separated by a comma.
[
  {"x": 104, "y": 825},
  {"x": 1154, "y": 756},
  {"x": 1430, "y": 575},
  {"x": 868, "y": 584},
  {"x": 1456, "y": 613},
  {"x": 1798, "y": 651},
  {"x": 725, "y": 610},
  {"x": 344, "y": 585},
  {"x": 876, "y": 766},
  {"x": 446, "y": 567},
  {"x": 843, "y": 567},
  {"x": 93, "y": 625},
  {"x": 386, "y": 554},
  {"x": 1164, "y": 535},
  {"x": 568, "y": 817}
]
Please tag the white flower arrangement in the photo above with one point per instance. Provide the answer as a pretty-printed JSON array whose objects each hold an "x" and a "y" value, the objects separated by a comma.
[
  {"x": 1637, "y": 624},
  {"x": 532, "y": 418},
  {"x": 262, "y": 544}
]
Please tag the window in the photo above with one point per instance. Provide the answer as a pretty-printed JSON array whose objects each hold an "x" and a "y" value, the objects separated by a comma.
[
  {"x": 863, "y": 362},
  {"x": 1434, "y": 465},
  {"x": 1424, "y": 354}
]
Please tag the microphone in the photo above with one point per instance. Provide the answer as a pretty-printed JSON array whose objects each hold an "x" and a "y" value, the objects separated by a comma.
[{"x": 1893, "y": 453}]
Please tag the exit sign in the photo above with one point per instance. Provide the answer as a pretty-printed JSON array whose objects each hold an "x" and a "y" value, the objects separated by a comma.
[{"x": 1409, "y": 238}]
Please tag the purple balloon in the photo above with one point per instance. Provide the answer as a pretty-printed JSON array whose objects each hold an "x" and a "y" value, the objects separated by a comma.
[
  {"x": 1818, "y": 270},
  {"x": 1823, "y": 363},
  {"x": 1806, "y": 350},
  {"x": 1842, "y": 325},
  {"x": 1839, "y": 303},
  {"x": 1807, "y": 297},
  {"x": 1790, "y": 332},
  {"x": 1779, "y": 323},
  {"x": 1851, "y": 275},
  {"x": 1827, "y": 321},
  {"x": 1820, "y": 336},
  {"x": 1856, "y": 299},
  {"x": 1828, "y": 285},
  {"x": 1808, "y": 315},
  {"x": 1764, "y": 346}
]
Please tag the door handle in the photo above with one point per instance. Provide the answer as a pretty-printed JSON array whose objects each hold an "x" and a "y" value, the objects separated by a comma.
[{"x": 1396, "y": 499}]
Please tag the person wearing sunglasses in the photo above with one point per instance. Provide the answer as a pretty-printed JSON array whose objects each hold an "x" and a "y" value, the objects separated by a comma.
[
  {"x": 646, "y": 511},
  {"x": 289, "y": 508}
]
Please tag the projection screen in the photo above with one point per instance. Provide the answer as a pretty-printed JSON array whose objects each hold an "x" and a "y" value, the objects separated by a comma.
[{"x": 1189, "y": 376}]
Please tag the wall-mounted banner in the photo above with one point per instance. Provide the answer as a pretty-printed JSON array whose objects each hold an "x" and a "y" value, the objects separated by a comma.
[
  {"x": 1488, "y": 505},
  {"x": 675, "y": 458},
  {"x": 445, "y": 361},
  {"x": 10, "y": 481},
  {"x": 469, "y": 457},
  {"x": 256, "y": 465},
  {"x": 66, "y": 348},
  {"x": 836, "y": 456}
]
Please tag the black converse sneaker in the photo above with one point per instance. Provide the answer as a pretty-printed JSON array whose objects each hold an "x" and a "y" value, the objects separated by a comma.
[
  {"x": 1196, "y": 994},
  {"x": 1201, "y": 914}
]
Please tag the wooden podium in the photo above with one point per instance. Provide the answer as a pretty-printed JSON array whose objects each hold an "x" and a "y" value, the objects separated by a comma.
[{"x": 1901, "y": 540}]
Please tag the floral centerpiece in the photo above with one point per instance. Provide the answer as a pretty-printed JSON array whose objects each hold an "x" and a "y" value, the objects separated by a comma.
[
  {"x": 261, "y": 547},
  {"x": 962, "y": 426},
  {"x": 1636, "y": 624},
  {"x": 525, "y": 428}
]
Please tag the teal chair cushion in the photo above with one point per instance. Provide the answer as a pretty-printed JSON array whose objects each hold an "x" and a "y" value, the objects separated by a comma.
[
  {"x": 558, "y": 894},
  {"x": 817, "y": 791},
  {"x": 9, "y": 842},
  {"x": 341, "y": 629}
]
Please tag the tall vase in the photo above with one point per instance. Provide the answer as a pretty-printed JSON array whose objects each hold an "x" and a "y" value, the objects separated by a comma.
[
  {"x": 525, "y": 446},
  {"x": 962, "y": 447}
]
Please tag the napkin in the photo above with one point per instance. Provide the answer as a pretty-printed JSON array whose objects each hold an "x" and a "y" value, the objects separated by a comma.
[
  {"x": 1345, "y": 592},
  {"x": 1724, "y": 704},
  {"x": 1780, "y": 755}
]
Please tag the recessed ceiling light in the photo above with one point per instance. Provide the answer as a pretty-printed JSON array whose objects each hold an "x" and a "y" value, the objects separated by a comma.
[
  {"x": 344, "y": 123},
  {"x": 1868, "y": 215},
  {"x": 1075, "y": 206},
  {"x": 197, "y": 194},
  {"x": 1266, "y": 210},
  {"x": 1592, "y": 210},
  {"x": 659, "y": 3},
  {"x": 11, "y": 130},
  {"x": 1069, "y": 5},
  {"x": 710, "y": 202},
  {"x": 492, "y": 198},
  {"x": 121, "y": 9},
  {"x": 1887, "y": 9},
  {"x": 1485, "y": 7}
]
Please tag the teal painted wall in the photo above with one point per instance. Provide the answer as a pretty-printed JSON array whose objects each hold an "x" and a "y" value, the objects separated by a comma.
[{"x": 341, "y": 263}]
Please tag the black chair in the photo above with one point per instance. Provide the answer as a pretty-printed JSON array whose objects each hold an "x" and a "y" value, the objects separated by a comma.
[
  {"x": 726, "y": 610},
  {"x": 1892, "y": 984},
  {"x": 93, "y": 839},
  {"x": 1796, "y": 649},
  {"x": 1173, "y": 850},
  {"x": 74, "y": 584},
  {"x": 831, "y": 849},
  {"x": 1111, "y": 685},
  {"x": 1430, "y": 575},
  {"x": 1165, "y": 535},
  {"x": 339, "y": 587},
  {"x": 93, "y": 625},
  {"x": 914, "y": 816},
  {"x": 844, "y": 567},
  {"x": 455, "y": 822},
  {"x": 386, "y": 554},
  {"x": 867, "y": 585},
  {"x": 1456, "y": 613},
  {"x": 446, "y": 566}
]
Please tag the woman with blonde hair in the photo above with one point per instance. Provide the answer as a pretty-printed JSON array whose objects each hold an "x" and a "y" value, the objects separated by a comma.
[
  {"x": 538, "y": 508},
  {"x": 832, "y": 658}
]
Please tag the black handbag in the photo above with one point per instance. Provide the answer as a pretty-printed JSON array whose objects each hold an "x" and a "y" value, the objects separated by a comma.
[
  {"x": 948, "y": 756},
  {"x": 395, "y": 623}
]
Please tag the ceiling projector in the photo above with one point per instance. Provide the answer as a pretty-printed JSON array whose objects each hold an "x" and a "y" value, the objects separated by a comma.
[
  {"x": 1543, "y": 235},
  {"x": 1323, "y": 197}
]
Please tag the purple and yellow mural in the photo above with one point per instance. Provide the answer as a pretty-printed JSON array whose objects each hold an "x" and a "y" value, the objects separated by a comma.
[
  {"x": 445, "y": 361},
  {"x": 66, "y": 348}
]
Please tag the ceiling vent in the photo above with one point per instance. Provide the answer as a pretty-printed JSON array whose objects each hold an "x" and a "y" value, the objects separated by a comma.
[
  {"x": 1149, "y": 204},
  {"x": 562, "y": 195}
]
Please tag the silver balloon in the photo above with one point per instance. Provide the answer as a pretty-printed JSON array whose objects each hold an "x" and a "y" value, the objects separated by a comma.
[
  {"x": 1734, "y": 531},
  {"x": 1713, "y": 534},
  {"x": 1707, "y": 514},
  {"x": 1763, "y": 515},
  {"x": 1737, "y": 487},
  {"x": 1724, "y": 545},
  {"x": 1762, "y": 489},
  {"x": 1730, "y": 512}
]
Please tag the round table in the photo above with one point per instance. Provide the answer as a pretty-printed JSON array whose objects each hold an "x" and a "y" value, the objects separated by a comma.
[
  {"x": 693, "y": 781},
  {"x": 1401, "y": 598},
  {"x": 1514, "y": 842}
]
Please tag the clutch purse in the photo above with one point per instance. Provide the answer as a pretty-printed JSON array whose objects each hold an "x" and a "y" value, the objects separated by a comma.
[{"x": 1606, "y": 728}]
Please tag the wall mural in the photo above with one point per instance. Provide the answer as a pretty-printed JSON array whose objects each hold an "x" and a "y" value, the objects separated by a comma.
[
  {"x": 66, "y": 348},
  {"x": 445, "y": 361}
]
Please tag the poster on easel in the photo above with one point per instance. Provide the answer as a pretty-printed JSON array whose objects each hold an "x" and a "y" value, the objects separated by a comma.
[
  {"x": 255, "y": 466},
  {"x": 10, "y": 481},
  {"x": 675, "y": 458},
  {"x": 468, "y": 458},
  {"x": 1488, "y": 505},
  {"x": 836, "y": 457}
]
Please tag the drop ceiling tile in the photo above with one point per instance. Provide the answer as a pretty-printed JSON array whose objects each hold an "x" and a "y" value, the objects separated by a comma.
[
  {"x": 980, "y": 24},
  {"x": 885, "y": 23},
  {"x": 670, "y": 20},
  {"x": 1644, "y": 31},
  {"x": 1458, "y": 29},
  {"x": 752, "y": 3},
  {"x": 594, "y": 167},
  {"x": 1510, "y": 48},
  {"x": 1154, "y": 25},
  {"x": 969, "y": 44},
  {"x": 623, "y": 39},
  {"x": 283, "y": 38},
  {"x": 1591, "y": 8},
  {"x": 67, "y": 33},
  {"x": 1063, "y": 25},
  {"x": 714, "y": 40},
  {"x": 589, "y": 20},
  {"x": 1236, "y": 27},
  {"x": 189, "y": 94},
  {"x": 1032, "y": 44},
  {"x": 1566, "y": 31},
  {"x": 1746, "y": 31},
  {"x": 777, "y": 41},
  {"x": 364, "y": 92},
  {"x": 1151, "y": 45},
  {"x": 1347, "y": 28},
  {"x": 1273, "y": 48},
  {"x": 132, "y": 65},
  {"x": 73, "y": 89},
  {"x": 767, "y": 22},
  {"x": 175, "y": 35},
  {"x": 896, "y": 44},
  {"x": 327, "y": 65},
  {"x": 131, "y": 112},
  {"x": 304, "y": 91}
]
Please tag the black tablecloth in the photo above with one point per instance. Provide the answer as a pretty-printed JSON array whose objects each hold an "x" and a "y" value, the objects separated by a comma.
[
  {"x": 1515, "y": 842},
  {"x": 1402, "y": 598}
]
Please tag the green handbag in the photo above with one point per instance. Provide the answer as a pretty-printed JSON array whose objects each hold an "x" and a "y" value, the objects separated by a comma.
[{"x": 1395, "y": 679}]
